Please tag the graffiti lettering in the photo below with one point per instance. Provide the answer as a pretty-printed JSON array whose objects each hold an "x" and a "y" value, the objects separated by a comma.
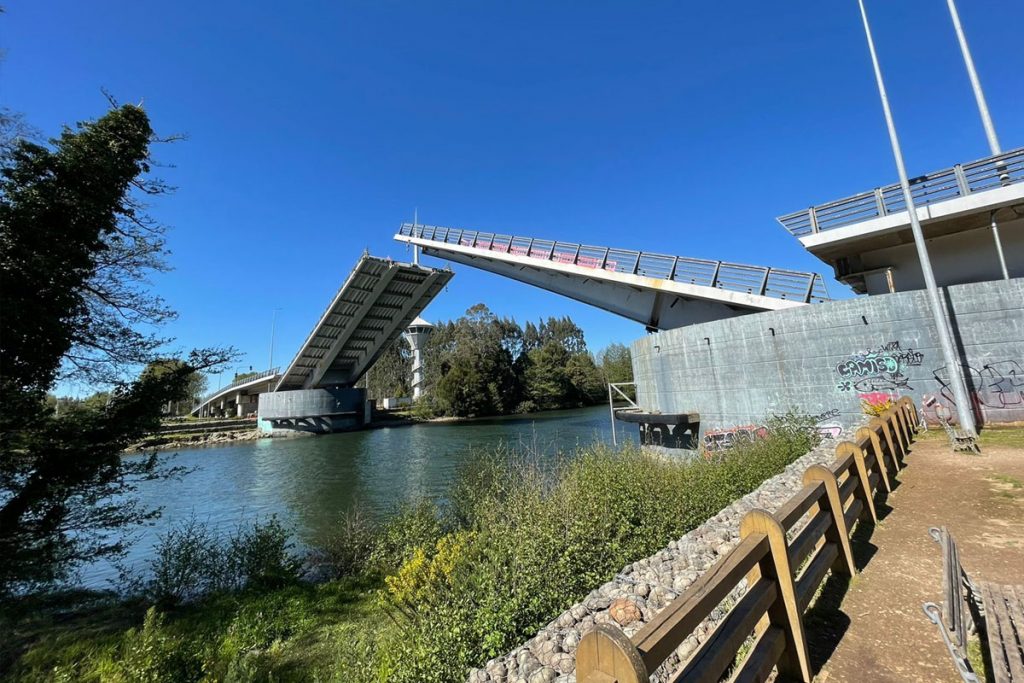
[
  {"x": 829, "y": 431},
  {"x": 827, "y": 415},
  {"x": 881, "y": 369},
  {"x": 723, "y": 439},
  {"x": 997, "y": 385},
  {"x": 871, "y": 364}
]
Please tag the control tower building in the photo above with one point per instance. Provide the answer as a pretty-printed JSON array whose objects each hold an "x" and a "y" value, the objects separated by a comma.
[{"x": 417, "y": 334}]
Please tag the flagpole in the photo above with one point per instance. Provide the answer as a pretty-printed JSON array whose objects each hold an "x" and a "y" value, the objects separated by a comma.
[{"x": 953, "y": 366}]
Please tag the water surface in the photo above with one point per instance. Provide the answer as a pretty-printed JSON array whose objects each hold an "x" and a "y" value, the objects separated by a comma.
[{"x": 309, "y": 482}]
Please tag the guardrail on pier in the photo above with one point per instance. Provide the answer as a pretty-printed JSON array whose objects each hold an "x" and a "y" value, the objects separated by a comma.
[
  {"x": 783, "y": 557},
  {"x": 958, "y": 181},
  {"x": 771, "y": 282}
]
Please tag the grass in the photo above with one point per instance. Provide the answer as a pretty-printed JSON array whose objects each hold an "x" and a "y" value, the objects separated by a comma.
[
  {"x": 976, "y": 658},
  {"x": 293, "y": 633},
  {"x": 1012, "y": 482},
  {"x": 990, "y": 436}
]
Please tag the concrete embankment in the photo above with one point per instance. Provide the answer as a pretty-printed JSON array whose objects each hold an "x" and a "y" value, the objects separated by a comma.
[
  {"x": 197, "y": 433},
  {"x": 643, "y": 588},
  {"x": 201, "y": 433}
]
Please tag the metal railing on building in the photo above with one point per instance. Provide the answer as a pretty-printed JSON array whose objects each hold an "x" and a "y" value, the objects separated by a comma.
[
  {"x": 771, "y": 282},
  {"x": 959, "y": 181}
]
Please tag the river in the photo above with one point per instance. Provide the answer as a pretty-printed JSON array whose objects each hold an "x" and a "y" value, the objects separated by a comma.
[{"x": 309, "y": 482}]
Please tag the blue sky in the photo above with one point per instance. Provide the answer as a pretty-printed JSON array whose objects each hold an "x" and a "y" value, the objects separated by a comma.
[{"x": 315, "y": 128}]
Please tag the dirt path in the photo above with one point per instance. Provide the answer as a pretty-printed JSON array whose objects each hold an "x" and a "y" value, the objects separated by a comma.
[{"x": 879, "y": 632}]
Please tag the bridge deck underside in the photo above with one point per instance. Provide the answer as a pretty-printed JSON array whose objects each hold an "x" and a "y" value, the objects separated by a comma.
[
  {"x": 661, "y": 292},
  {"x": 377, "y": 302}
]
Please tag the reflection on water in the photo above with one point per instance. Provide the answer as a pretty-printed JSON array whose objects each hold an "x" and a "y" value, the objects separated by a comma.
[{"x": 308, "y": 482}]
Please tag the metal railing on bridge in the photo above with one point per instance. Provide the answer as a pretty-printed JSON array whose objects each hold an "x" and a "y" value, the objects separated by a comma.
[
  {"x": 244, "y": 379},
  {"x": 771, "y": 282},
  {"x": 958, "y": 181}
]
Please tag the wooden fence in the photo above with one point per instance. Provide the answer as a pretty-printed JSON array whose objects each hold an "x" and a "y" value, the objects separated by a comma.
[{"x": 784, "y": 558}]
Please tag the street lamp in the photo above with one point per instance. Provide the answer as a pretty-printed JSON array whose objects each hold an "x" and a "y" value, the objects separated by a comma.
[
  {"x": 986, "y": 122},
  {"x": 979, "y": 94},
  {"x": 956, "y": 377},
  {"x": 273, "y": 325}
]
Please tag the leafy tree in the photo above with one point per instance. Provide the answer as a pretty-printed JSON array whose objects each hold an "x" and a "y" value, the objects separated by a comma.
[
  {"x": 469, "y": 365},
  {"x": 616, "y": 363},
  {"x": 195, "y": 384},
  {"x": 68, "y": 263},
  {"x": 481, "y": 364}
]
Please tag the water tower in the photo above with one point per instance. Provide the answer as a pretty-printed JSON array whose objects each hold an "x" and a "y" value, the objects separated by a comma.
[{"x": 416, "y": 334}]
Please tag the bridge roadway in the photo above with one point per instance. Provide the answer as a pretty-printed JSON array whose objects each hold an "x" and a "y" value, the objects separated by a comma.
[
  {"x": 662, "y": 292},
  {"x": 378, "y": 300}
]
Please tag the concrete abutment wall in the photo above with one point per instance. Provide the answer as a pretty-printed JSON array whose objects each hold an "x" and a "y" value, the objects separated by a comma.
[{"x": 823, "y": 360}]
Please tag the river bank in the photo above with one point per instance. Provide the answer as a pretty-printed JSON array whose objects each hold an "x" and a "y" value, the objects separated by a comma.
[
  {"x": 191, "y": 434},
  {"x": 434, "y": 588}
]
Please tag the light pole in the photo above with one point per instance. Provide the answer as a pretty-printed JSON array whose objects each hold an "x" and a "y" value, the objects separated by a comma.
[
  {"x": 273, "y": 326},
  {"x": 979, "y": 94},
  {"x": 986, "y": 122},
  {"x": 956, "y": 378}
]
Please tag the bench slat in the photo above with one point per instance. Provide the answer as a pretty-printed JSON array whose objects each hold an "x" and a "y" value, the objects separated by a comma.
[{"x": 1003, "y": 634}]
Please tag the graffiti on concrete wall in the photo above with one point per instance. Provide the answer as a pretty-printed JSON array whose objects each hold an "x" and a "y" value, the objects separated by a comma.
[
  {"x": 829, "y": 431},
  {"x": 996, "y": 385},
  {"x": 724, "y": 439},
  {"x": 880, "y": 369},
  {"x": 826, "y": 425}
]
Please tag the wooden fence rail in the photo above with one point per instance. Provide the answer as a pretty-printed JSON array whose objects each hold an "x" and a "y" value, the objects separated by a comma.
[{"x": 783, "y": 558}]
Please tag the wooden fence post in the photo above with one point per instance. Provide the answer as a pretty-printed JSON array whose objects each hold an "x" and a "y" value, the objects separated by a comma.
[
  {"x": 837, "y": 532},
  {"x": 884, "y": 426},
  {"x": 867, "y": 495},
  {"x": 872, "y": 436},
  {"x": 911, "y": 408},
  {"x": 606, "y": 655},
  {"x": 890, "y": 416},
  {"x": 785, "y": 611}
]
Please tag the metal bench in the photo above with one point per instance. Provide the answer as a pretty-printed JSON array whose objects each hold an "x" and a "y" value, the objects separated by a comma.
[{"x": 1000, "y": 607}]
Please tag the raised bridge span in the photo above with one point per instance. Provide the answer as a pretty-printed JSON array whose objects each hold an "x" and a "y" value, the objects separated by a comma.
[
  {"x": 378, "y": 300},
  {"x": 662, "y": 292}
]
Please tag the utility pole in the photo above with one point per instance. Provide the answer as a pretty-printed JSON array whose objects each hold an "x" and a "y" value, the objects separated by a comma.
[{"x": 956, "y": 378}]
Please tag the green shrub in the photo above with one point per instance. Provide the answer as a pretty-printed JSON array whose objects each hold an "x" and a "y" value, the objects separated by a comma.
[
  {"x": 530, "y": 540},
  {"x": 415, "y": 525},
  {"x": 191, "y": 561},
  {"x": 153, "y": 655},
  {"x": 347, "y": 551},
  {"x": 260, "y": 556},
  {"x": 184, "y": 564}
]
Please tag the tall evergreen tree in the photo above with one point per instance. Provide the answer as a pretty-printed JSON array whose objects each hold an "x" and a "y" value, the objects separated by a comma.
[{"x": 74, "y": 248}]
